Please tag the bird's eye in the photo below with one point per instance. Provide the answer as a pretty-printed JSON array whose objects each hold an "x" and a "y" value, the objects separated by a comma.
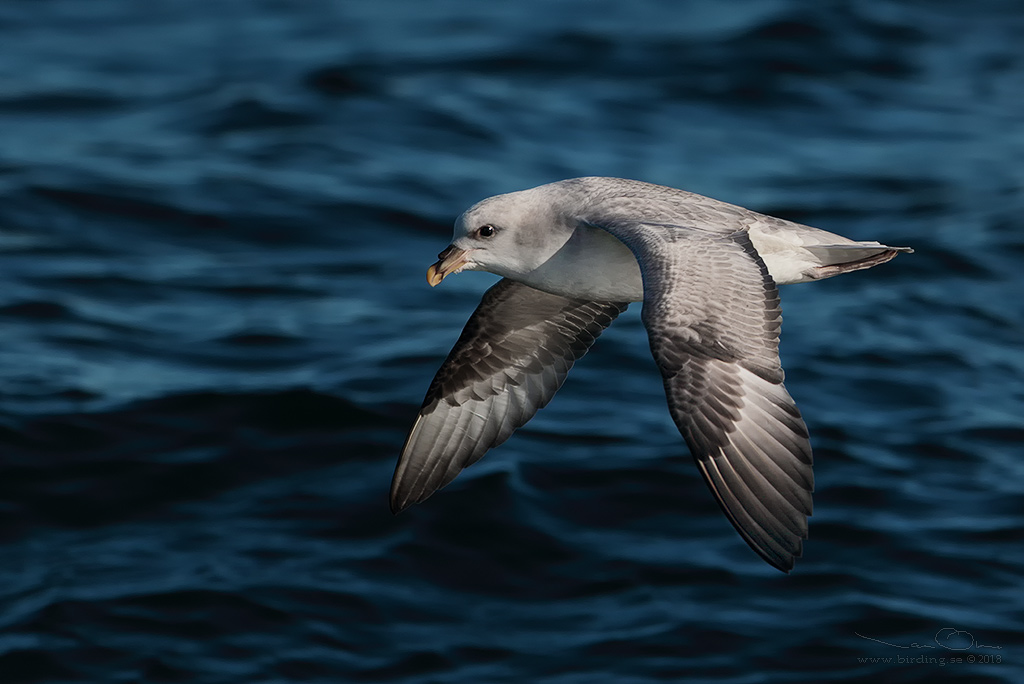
[{"x": 486, "y": 230}]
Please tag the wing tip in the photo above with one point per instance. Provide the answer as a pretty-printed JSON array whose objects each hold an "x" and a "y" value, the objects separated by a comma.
[
  {"x": 402, "y": 495},
  {"x": 786, "y": 569},
  {"x": 782, "y": 563},
  {"x": 782, "y": 559},
  {"x": 398, "y": 506}
]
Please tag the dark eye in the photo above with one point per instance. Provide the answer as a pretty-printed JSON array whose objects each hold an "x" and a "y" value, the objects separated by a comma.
[{"x": 486, "y": 230}]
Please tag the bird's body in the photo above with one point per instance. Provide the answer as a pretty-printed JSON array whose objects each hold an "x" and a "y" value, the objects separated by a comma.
[{"x": 573, "y": 255}]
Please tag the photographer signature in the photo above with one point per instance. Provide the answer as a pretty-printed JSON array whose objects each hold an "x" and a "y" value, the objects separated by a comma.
[{"x": 949, "y": 638}]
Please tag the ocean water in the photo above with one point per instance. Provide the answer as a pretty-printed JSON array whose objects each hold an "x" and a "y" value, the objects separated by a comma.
[{"x": 215, "y": 219}]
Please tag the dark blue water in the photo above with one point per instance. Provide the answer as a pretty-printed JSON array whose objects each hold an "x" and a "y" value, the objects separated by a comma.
[{"x": 215, "y": 219}]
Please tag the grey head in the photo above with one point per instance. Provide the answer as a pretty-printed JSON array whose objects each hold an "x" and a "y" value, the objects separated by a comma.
[{"x": 509, "y": 235}]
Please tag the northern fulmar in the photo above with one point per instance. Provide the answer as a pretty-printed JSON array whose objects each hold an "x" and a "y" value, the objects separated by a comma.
[{"x": 572, "y": 256}]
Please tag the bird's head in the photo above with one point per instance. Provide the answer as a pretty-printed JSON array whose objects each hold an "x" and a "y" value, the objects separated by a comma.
[{"x": 508, "y": 235}]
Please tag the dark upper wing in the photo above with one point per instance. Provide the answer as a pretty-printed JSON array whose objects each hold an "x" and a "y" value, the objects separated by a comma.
[
  {"x": 512, "y": 357},
  {"x": 712, "y": 315}
]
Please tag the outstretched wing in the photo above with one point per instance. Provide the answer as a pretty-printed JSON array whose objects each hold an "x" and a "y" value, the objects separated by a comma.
[
  {"x": 712, "y": 315},
  {"x": 512, "y": 357}
]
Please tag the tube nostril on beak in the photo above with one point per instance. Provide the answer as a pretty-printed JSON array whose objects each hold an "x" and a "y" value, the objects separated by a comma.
[{"x": 451, "y": 260}]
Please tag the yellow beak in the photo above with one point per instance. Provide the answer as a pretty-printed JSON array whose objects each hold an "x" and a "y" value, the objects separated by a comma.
[{"x": 451, "y": 260}]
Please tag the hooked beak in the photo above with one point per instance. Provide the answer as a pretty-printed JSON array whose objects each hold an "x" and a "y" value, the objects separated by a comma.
[{"x": 451, "y": 260}]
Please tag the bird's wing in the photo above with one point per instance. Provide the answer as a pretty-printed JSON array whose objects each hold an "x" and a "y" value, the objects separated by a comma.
[
  {"x": 512, "y": 357},
  {"x": 712, "y": 315}
]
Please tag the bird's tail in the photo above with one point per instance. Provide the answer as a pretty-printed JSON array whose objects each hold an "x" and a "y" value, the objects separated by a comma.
[{"x": 854, "y": 256}]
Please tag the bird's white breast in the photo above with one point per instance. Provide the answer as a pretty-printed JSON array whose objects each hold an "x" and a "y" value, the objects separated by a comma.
[{"x": 592, "y": 264}]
